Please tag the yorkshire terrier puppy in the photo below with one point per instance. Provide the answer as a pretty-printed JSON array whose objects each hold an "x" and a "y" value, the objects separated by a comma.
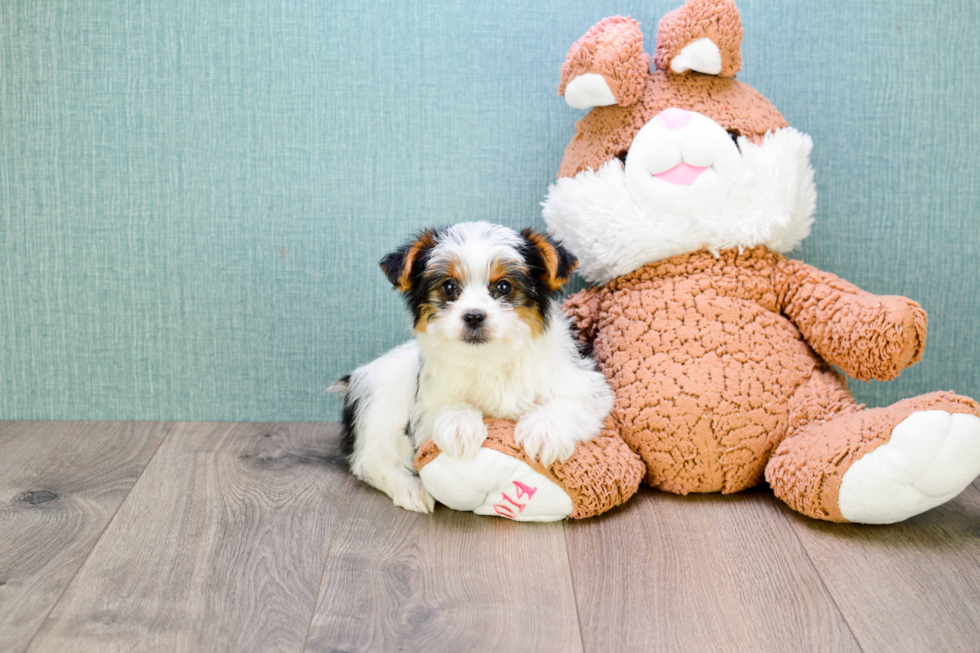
[{"x": 490, "y": 341}]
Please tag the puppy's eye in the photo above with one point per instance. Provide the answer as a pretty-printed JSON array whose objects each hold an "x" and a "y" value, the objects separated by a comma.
[
  {"x": 501, "y": 288},
  {"x": 732, "y": 134},
  {"x": 450, "y": 288}
]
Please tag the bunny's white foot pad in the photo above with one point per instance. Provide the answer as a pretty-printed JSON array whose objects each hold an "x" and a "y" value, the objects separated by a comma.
[
  {"x": 930, "y": 458},
  {"x": 493, "y": 483}
]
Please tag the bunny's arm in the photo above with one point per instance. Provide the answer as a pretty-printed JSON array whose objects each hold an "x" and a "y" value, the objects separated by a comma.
[
  {"x": 583, "y": 310},
  {"x": 867, "y": 336}
]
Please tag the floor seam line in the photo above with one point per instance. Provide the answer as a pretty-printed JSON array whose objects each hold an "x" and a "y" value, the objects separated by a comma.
[
  {"x": 326, "y": 559},
  {"x": 54, "y": 605},
  {"x": 823, "y": 583},
  {"x": 571, "y": 579}
]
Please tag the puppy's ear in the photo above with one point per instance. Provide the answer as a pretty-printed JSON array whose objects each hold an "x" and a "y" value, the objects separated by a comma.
[
  {"x": 399, "y": 266},
  {"x": 558, "y": 263}
]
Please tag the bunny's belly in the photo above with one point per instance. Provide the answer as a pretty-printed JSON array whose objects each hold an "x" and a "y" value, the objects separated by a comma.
[{"x": 704, "y": 393}]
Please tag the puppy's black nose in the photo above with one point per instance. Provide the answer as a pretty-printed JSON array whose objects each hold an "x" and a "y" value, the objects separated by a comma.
[{"x": 474, "y": 318}]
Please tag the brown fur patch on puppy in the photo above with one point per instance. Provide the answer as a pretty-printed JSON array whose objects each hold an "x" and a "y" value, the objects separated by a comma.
[
  {"x": 430, "y": 294},
  {"x": 532, "y": 316},
  {"x": 406, "y": 269},
  {"x": 557, "y": 261},
  {"x": 399, "y": 266},
  {"x": 526, "y": 294}
]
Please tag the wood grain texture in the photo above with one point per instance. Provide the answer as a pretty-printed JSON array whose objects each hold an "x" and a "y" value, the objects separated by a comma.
[
  {"x": 699, "y": 573},
  {"x": 220, "y": 546},
  {"x": 224, "y": 544},
  {"x": 60, "y": 484},
  {"x": 913, "y": 586},
  {"x": 451, "y": 581}
]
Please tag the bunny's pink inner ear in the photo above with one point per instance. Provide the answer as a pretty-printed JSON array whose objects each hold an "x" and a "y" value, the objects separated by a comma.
[
  {"x": 606, "y": 66},
  {"x": 704, "y": 36}
]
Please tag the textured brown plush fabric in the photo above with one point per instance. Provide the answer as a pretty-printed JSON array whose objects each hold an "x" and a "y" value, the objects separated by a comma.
[
  {"x": 807, "y": 468},
  {"x": 600, "y": 475},
  {"x": 606, "y": 132},
  {"x": 717, "y": 20},
  {"x": 866, "y": 336},
  {"x": 711, "y": 373},
  {"x": 613, "y": 48}
]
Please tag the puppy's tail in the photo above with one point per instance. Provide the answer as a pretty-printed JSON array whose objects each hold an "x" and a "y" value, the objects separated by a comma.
[
  {"x": 340, "y": 385},
  {"x": 346, "y": 443}
]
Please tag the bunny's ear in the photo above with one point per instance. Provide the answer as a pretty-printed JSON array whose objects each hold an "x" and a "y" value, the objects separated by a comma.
[
  {"x": 704, "y": 36},
  {"x": 606, "y": 66}
]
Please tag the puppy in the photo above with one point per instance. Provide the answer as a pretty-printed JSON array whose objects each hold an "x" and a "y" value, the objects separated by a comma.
[{"x": 490, "y": 341}]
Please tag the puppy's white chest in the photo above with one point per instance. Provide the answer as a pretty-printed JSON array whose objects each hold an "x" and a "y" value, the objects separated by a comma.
[
  {"x": 501, "y": 391},
  {"x": 504, "y": 403}
]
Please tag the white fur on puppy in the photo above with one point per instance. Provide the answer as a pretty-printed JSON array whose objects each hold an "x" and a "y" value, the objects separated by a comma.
[{"x": 379, "y": 400}]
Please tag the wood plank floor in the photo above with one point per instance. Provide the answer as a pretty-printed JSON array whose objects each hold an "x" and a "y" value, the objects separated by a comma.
[
  {"x": 252, "y": 537},
  {"x": 60, "y": 484}
]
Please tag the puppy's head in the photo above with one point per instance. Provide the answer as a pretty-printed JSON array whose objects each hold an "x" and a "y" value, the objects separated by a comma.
[{"x": 477, "y": 283}]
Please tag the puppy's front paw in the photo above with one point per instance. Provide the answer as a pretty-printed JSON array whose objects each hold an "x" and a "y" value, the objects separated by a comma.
[
  {"x": 542, "y": 440},
  {"x": 459, "y": 431}
]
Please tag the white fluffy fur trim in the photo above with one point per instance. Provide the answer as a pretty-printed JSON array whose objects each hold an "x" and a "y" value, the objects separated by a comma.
[{"x": 596, "y": 217}]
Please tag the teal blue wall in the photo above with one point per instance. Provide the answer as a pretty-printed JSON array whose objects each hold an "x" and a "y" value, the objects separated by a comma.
[{"x": 194, "y": 194}]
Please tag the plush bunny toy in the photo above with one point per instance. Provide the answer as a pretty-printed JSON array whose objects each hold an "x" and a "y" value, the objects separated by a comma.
[{"x": 678, "y": 194}]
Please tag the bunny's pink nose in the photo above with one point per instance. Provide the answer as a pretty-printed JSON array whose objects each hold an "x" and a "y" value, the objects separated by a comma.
[{"x": 673, "y": 118}]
